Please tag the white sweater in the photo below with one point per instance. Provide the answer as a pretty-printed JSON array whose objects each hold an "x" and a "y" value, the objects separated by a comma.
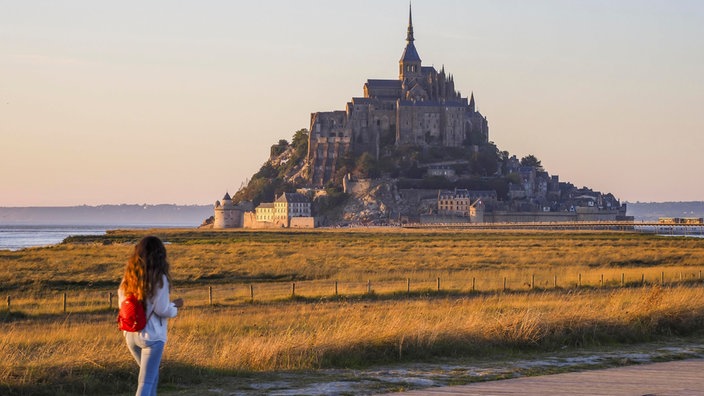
[{"x": 163, "y": 308}]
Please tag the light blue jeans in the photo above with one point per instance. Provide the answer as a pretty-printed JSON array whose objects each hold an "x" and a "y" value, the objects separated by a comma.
[{"x": 148, "y": 357}]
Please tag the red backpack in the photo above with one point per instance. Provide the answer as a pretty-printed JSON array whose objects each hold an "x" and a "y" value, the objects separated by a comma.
[{"x": 131, "y": 316}]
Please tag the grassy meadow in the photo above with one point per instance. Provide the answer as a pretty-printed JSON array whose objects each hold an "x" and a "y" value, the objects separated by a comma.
[{"x": 361, "y": 297}]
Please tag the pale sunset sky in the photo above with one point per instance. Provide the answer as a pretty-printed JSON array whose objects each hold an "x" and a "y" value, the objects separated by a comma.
[{"x": 179, "y": 101}]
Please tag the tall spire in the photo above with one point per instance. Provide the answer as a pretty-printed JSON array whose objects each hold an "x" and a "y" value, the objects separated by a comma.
[
  {"x": 410, "y": 64},
  {"x": 409, "y": 34}
]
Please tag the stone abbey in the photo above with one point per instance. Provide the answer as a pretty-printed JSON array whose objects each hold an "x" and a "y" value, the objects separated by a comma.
[{"x": 420, "y": 108}]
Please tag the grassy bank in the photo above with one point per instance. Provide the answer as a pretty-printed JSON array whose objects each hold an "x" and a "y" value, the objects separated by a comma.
[{"x": 51, "y": 352}]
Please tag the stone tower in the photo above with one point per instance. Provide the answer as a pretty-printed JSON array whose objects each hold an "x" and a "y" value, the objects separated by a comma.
[
  {"x": 409, "y": 65},
  {"x": 227, "y": 215}
]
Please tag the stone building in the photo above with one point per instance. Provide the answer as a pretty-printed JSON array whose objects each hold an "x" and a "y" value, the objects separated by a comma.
[
  {"x": 265, "y": 212},
  {"x": 227, "y": 214},
  {"x": 420, "y": 108},
  {"x": 463, "y": 203},
  {"x": 289, "y": 210}
]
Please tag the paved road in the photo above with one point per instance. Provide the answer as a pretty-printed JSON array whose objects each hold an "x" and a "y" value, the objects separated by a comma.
[{"x": 685, "y": 377}]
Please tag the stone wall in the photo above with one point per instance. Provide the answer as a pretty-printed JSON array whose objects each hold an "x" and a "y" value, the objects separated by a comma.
[{"x": 302, "y": 222}]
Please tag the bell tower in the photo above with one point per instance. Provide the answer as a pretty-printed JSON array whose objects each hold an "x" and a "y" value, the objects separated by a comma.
[{"x": 409, "y": 65}]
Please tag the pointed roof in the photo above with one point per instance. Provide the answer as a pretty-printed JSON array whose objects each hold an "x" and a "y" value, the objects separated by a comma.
[
  {"x": 410, "y": 54},
  {"x": 409, "y": 32},
  {"x": 471, "y": 102},
  {"x": 227, "y": 197},
  {"x": 292, "y": 198}
]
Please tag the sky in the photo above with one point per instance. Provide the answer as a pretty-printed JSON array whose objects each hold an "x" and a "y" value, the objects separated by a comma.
[{"x": 179, "y": 101}]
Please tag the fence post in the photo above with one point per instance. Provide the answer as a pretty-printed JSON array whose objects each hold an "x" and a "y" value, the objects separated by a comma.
[
  {"x": 579, "y": 280},
  {"x": 662, "y": 278},
  {"x": 293, "y": 289},
  {"x": 251, "y": 292},
  {"x": 369, "y": 287},
  {"x": 474, "y": 284},
  {"x": 335, "y": 288},
  {"x": 408, "y": 286},
  {"x": 642, "y": 279},
  {"x": 601, "y": 281},
  {"x": 623, "y": 279},
  {"x": 504, "y": 283},
  {"x": 64, "y": 302},
  {"x": 9, "y": 300},
  {"x": 532, "y": 281},
  {"x": 438, "y": 283},
  {"x": 210, "y": 295},
  {"x": 554, "y": 281},
  {"x": 110, "y": 300}
]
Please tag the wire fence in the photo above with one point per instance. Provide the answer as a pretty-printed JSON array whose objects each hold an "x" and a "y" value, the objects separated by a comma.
[{"x": 53, "y": 302}]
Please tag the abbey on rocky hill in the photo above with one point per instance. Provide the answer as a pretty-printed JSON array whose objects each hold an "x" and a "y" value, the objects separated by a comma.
[{"x": 420, "y": 108}]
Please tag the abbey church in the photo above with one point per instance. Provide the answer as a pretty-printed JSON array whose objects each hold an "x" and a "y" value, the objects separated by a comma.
[{"x": 419, "y": 108}]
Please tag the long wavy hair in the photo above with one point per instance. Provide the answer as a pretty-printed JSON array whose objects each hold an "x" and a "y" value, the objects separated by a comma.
[{"x": 146, "y": 268}]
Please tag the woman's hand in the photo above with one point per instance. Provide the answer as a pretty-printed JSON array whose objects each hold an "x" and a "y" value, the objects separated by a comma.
[{"x": 178, "y": 303}]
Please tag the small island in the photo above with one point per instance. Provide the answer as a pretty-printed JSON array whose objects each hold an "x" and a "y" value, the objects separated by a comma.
[{"x": 411, "y": 150}]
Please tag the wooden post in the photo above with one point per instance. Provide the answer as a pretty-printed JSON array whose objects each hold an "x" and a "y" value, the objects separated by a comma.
[
  {"x": 474, "y": 284},
  {"x": 369, "y": 287},
  {"x": 504, "y": 283},
  {"x": 210, "y": 295},
  {"x": 700, "y": 274},
  {"x": 110, "y": 300},
  {"x": 579, "y": 280},
  {"x": 9, "y": 300},
  {"x": 532, "y": 281},
  {"x": 335, "y": 288},
  {"x": 251, "y": 292},
  {"x": 601, "y": 281},
  {"x": 64, "y": 302},
  {"x": 554, "y": 281},
  {"x": 438, "y": 283},
  {"x": 408, "y": 286},
  {"x": 662, "y": 278},
  {"x": 642, "y": 279},
  {"x": 623, "y": 279},
  {"x": 293, "y": 289}
]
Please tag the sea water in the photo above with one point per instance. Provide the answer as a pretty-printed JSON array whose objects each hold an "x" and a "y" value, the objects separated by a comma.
[{"x": 16, "y": 237}]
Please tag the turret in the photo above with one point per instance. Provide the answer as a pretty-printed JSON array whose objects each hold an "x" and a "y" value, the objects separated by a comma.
[{"x": 409, "y": 65}]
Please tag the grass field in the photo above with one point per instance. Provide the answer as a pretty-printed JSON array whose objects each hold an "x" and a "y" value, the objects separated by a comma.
[{"x": 563, "y": 290}]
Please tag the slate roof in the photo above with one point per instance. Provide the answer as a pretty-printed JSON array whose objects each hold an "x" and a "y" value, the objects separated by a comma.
[
  {"x": 410, "y": 54},
  {"x": 428, "y": 69},
  {"x": 292, "y": 198},
  {"x": 384, "y": 83}
]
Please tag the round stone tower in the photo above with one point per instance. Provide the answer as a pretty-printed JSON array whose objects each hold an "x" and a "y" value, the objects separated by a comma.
[{"x": 226, "y": 214}]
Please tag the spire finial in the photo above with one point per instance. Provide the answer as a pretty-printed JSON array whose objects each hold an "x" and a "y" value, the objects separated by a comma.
[{"x": 409, "y": 34}]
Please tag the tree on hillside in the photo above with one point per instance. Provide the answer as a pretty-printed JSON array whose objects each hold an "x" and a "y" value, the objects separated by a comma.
[
  {"x": 485, "y": 162},
  {"x": 300, "y": 142},
  {"x": 366, "y": 166},
  {"x": 531, "y": 160}
]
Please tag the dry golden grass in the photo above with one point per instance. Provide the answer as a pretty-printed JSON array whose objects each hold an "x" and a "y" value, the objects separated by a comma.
[
  {"x": 200, "y": 257},
  {"x": 86, "y": 350}
]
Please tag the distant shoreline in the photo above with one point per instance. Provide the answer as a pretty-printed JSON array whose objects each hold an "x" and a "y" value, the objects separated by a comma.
[{"x": 113, "y": 215}]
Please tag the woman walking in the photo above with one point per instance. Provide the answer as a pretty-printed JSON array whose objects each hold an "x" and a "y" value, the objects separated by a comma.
[{"x": 147, "y": 278}]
